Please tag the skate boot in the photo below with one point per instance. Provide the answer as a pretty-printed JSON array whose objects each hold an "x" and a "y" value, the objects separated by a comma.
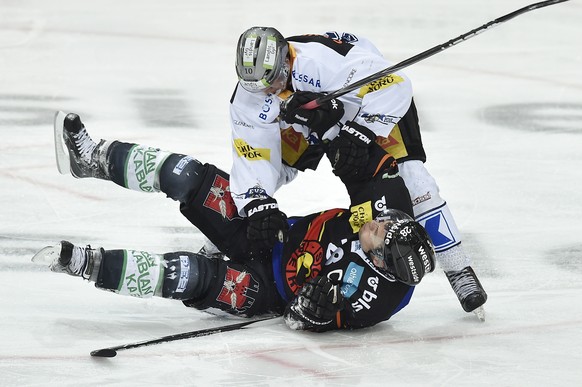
[
  {"x": 83, "y": 157},
  {"x": 74, "y": 260},
  {"x": 468, "y": 289}
]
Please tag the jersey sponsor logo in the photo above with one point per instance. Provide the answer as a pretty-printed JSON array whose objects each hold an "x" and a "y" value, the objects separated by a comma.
[
  {"x": 243, "y": 149},
  {"x": 380, "y": 84},
  {"x": 351, "y": 280},
  {"x": 256, "y": 192},
  {"x": 238, "y": 290},
  {"x": 380, "y": 204},
  {"x": 307, "y": 79},
  {"x": 361, "y": 213},
  {"x": 293, "y": 144},
  {"x": 368, "y": 296},
  {"x": 334, "y": 254},
  {"x": 266, "y": 108},
  {"x": 242, "y": 123},
  {"x": 219, "y": 199},
  {"x": 385, "y": 119}
]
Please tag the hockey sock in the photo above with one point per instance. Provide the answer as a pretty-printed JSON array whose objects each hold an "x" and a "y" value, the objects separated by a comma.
[{"x": 134, "y": 166}]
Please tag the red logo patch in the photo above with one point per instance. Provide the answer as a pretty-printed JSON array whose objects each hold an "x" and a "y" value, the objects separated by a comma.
[
  {"x": 220, "y": 200},
  {"x": 236, "y": 288},
  {"x": 305, "y": 263}
]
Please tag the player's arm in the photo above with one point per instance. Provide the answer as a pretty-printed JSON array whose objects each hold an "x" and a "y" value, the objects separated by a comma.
[{"x": 257, "y": 170}]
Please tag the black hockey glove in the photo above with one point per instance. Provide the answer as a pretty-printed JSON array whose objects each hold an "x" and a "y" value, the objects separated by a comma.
[
  {"x": 316, "y": 306},
  {"x": 267, "y": 224},
  {"x": 319, "y": 119},
  {"x": 349, "y": 152}
]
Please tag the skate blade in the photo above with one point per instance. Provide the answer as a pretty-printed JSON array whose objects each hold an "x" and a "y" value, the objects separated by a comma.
[
  {"x": 61, "y": 152},
  {"x": 47, "y": 255},
  {"x": 480, "y": 313}
]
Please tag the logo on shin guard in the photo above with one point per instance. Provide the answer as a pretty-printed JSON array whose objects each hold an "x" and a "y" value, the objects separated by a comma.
[
  {"x": 220, "y": 200},
  {"x": 237, "y": 290},
  {"x": 442, "y": 232}
]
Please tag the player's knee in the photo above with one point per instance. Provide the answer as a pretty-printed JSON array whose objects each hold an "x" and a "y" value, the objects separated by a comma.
[
  {"x": 181, "y": 177},
  {"x": 182, "y": 276}
]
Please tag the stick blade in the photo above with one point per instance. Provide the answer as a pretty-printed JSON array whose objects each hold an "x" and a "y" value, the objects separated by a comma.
[{"x": 105, "y": 352}]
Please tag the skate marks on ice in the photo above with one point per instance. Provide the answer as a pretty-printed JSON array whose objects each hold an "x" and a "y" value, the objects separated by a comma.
[
  {"x": 163, "y": 108},
  {"x": 155, "y": 108},
  {"x": 558, "y": 117},
  {"x": 568, "y": 258}
]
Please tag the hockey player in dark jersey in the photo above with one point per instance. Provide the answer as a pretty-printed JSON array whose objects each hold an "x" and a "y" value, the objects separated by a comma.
[{"x": 338, "y": 269}]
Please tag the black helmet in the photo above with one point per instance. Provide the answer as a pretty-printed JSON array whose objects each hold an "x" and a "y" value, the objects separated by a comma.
[
  {"x": 261, "y": 55},
  {"x": 407, "y": 250}
]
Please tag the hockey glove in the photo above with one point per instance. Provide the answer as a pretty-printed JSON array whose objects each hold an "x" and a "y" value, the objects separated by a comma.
[
  {"x": 316, "y": 306},
  {"x": 349, "y": 152},
  {"x": 267, "y": 224},
  {"x": 319, "y": 119}
]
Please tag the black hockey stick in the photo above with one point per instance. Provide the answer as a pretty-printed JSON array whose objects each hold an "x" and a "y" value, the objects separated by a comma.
[
  {"x": 428, "y": 53},
  {"x": 112, "y": 351}
]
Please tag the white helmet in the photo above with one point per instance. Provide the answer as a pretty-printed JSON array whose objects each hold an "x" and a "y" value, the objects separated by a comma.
[{"x": 261, "y": 55}]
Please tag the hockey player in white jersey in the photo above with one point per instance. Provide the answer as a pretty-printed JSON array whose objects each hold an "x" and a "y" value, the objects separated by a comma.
[{"x": 273, "y": 137}]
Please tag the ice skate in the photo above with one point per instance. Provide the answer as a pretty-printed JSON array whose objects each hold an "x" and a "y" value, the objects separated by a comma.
[
  {"x": 75, "y": 151},
  {"x": 469, "y": 291},
  {"x": 68, "y": 258}
]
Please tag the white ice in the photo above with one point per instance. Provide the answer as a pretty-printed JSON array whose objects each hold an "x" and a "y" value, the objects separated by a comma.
[{"x": 501, "y": 116}]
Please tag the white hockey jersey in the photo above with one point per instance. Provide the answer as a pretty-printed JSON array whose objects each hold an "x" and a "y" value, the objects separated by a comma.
[{"x": 320, "y": 63}]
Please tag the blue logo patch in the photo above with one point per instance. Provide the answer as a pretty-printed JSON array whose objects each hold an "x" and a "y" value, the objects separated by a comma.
[
  {"x": 437, "y": 227},
  {"x": 351, "y": 279}
]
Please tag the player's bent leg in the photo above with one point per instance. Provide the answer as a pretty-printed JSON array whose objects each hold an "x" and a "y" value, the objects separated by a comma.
[
  {"x": 241, "y": 289},
  {"x": 433, "y": 213},
  {"x": 200, "y": 282},
  {"x": 146, "y": 169},
  {"x": 133, "y": 166}
]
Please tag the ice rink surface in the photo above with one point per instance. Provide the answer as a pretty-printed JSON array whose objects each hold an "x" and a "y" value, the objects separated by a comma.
[{"x": 501, "y": 116}]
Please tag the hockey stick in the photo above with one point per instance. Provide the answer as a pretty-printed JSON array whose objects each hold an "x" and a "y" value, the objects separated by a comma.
[
  {"x": 428, "y": 53},
  {"x": 112, "y": 351}
]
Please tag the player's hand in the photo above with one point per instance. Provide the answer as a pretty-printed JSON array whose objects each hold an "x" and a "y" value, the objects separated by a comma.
[
  {"x": 319, "y": 119},
  {"x": 267, "y": 225},
  {"x": 316, "y": 305},
  {"x": 349, "y": 152}
]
